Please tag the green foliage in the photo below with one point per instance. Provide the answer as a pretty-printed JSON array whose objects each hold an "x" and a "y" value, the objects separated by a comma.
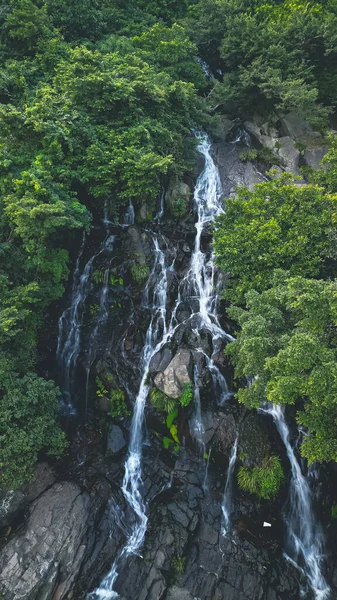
[
  {"x": 187, "y": 395},
  {"x": 278, "y": 225},
  {"x": 287, "y": 343},
  {"x": 171, "y": 417},
  {"x": 28, "y": 424},
  {"x": 179, "y": 207},
  {"x": 118, "y": 407},
  {"x": 265, "y": 156},
  {"x": 280, "y": 55},
  {"x": 178, "y": 564},
  {"x": 264, "y": 481},
  {"x": 139, "y": 273},
  {"x": 116, "y": 396},
  {"x": 162, "y": 402},
  {"x": 334, "y": 511},
  {"x": 97, "y": 100}
]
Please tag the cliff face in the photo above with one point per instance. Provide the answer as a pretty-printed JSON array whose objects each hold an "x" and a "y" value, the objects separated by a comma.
[{"x": 150, "y": 302}]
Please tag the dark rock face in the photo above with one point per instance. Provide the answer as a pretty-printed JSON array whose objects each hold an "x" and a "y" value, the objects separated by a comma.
[
  {"x": 116, "y": 439},
  {"x": 51, "y": 547}
]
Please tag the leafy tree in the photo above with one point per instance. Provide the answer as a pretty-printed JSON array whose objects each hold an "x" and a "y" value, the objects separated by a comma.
[
  {"x": 271, "y": 55},
  {"x": 29, "y": 408},
  {"x": 278, "y": 225},
  {"x": 287, "y": 349}
]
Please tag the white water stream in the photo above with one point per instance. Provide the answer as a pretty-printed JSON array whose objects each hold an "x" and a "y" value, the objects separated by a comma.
[
  {"x": 304, "y": 544},
  {"x": 227, "y": 503},
  {"x": 198, "y": 287}
]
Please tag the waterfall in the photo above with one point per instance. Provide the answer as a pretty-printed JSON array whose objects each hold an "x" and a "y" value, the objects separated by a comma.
[
  {"x": 198, "y": 287},
  {"x": 69, "y": 336},
  {"x": 129, "y": 217},
  {"x": 227, "y": 503},
  {"x": 304, "y": 543},
  {"x": 156, "y": 335}
]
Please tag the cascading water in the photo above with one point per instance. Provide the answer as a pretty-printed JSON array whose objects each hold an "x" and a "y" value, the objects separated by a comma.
[
  {"x": 129, "y": 217},
  {"x": 227, "y": 503},
  {"x": 304, "y": 544},
  {"x": 132, "y": 482},
  {"x": 198, "y": 288},
  {"x": 69, "y": 337}
]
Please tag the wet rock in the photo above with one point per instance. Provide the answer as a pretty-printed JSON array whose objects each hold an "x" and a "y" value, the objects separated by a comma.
[
  {"x": 13, "y": 502},
  {"x": 176, "y": 593},
  {"x": 176, "y": 376},
  {"x": 116, "y": 440},
  {"x": 136, "y": 245},
  {"x": 161, "y": 360},
  {"x": 49, "y": 550},
  {"x": 177, "y": 198},
  {"x": 220, "y": 431},
  {"x": 253, "y": 440},
  {"x": 232, "y": 170}
]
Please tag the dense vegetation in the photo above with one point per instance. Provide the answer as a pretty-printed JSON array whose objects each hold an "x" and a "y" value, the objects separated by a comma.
[
  {"x": 97, "y": 102},
  {"x": 279, "y": 243}
]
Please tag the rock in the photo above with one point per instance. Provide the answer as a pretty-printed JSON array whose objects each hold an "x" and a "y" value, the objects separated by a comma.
[
  {"x": 260, "y": 139},
  {"x": 136, "y": 245},
  {"x": 161, "y": 360},
  {"x": 232, "y": 170},
  {"x": 312, "y": 157},
  {"x": 13, "y": 502},
  {"x": 253, "y": 440},
  {"x": 50, "y": 548},
  {"x": 297, "y": 128},
  {"x": 289, "y": 154},
  {"x": 177, "y": 198},
  {"x": 176, "y": 376},
  {"x": 176, "y": 593},
  {"x": 116, "y": 440},
  {"x": 220, "y": 431}
]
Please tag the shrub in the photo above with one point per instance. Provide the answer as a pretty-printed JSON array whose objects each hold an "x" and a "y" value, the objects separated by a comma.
[
  {"x": 179, "y": 207},
  {"x": 264, "y": 481},
  {"x": 118, "y": 407},
  {"x": 139, "y": 273},
  {"x": 162, "y": 402},
  {"x": 187, "y": 395}
]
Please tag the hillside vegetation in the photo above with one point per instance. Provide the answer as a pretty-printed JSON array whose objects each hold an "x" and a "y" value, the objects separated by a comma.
[{"x": 97, "y": 102}]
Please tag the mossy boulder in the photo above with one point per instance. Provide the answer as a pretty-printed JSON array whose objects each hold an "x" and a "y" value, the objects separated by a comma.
[{"x": 177, "y": 198}]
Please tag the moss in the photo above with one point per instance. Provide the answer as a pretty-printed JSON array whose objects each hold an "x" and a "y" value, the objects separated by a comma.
[
  {"x": 264, "y": 481},
  {"x": 334, "y": 511},
  {"x": 178, "y": 564},
  {"x": 139, "y": 273},
  {"x": 118, "y": 407}
]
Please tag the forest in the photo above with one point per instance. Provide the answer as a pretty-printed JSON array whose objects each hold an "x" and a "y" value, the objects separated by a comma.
[{"x": 98, "y": 101}]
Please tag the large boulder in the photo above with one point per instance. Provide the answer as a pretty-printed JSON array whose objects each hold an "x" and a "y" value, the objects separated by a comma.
[
  {"x": 176, "y": 376},
  {"x": 296, "y": 127},
  {"x": 14, "y": 502},
  {"x": 49, "y": 550},
  {"x": 116, "y": 439}
]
